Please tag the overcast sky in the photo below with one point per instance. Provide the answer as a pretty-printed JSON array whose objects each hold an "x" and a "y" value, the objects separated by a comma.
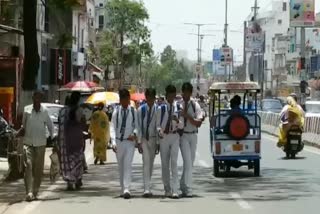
[{"x": 167, "y": 18}]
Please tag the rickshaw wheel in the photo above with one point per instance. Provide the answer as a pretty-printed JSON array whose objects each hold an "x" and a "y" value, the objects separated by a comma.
[
  {"x": 256, "y": 168},
  {"x": 216, "y": 168}
]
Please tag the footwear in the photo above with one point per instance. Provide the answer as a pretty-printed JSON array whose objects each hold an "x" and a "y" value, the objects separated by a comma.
[
  {"x": 147, "y": 194},
  {"x": 126, "y": 195},
  {"x": 70, "y": 187},
  {"x": 35, "y": 196},
  {"x": 175, "y": 196},
  {"x": 79, "y": 184},
  {"x": 95, "y": 161},
  {"x": 167, "y": 194},
  {"x": 186, "y": 195},
  {"x": 29, "y": 197},
  {"x": 102, "y": 163}
]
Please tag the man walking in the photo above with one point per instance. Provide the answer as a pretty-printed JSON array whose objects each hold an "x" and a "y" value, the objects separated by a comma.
[
  {"x": 148, "y": 135},
  {"x": 168, "y": 123},
  {"x": 34, "y": 123},
  {"x": 192, "y": 118},
  {"x": 124, "y": 138}
]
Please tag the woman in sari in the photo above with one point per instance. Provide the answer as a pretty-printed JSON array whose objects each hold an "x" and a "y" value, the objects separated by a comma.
[
  {"x": 100, "y": 133},
  {"x": 291, "y": 116},
  {"x": 71, "y": 142}
]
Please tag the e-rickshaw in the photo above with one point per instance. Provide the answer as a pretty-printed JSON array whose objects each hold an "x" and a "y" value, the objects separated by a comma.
[{"x": 235, "y": 135}]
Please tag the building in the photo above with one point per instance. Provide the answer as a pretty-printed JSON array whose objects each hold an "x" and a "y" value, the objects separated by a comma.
[{"x": 100, "y": 14}]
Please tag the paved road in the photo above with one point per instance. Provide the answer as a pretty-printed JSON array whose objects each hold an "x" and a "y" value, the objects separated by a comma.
[{"x": 286, "y": 186}]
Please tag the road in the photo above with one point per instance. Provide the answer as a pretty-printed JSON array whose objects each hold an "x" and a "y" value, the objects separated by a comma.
[{"x": 286, "y": 186}]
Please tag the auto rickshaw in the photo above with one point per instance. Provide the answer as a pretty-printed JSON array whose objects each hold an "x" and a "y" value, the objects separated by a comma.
[{"x": 235, "y": 136}]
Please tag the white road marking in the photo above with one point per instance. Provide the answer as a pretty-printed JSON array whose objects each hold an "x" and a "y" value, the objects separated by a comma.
[
  {"x": 306, "y": 148},
  {"x": 242, "y": 203}
]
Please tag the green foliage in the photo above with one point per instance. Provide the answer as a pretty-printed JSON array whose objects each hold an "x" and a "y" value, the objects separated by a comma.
[
  {"x": 167, "y": 70},
  {"x": 127, "y": 29},
  {"x": 64, "y": 4},
  {"x": 65, "y": 40}
]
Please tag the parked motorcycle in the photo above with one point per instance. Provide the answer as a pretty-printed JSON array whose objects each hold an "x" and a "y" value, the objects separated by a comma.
[{"x": 294, "y": 143}]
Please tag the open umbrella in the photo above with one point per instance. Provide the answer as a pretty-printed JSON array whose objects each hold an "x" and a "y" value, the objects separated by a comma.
[
  {"x": 81, "y": 86},
  {"x": 137, "y": 96},
  {"x": 103, "y": 97}
]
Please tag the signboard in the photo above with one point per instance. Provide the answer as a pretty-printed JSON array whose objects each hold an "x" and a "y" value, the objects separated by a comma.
[
  {"x": 227, "y": 56},
  {"x": 254, "y": 38},
  {"x": 60, "y": 66},
  {"x": 302, "y": 13},
  {"x": 216, "y": 55}
]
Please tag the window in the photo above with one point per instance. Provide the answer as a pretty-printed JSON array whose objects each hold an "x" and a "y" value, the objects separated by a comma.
[
  {"x": 75, "y": 35},
  {"x": 284, "y": 6},
  {"x": 101, "y": 5},
  {"x": 279, "y": 21},
  {"x": 101, "y": 22}
]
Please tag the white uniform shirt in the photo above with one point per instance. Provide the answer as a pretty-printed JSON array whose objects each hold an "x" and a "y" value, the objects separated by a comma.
[
  {"x": 116, "y": 123},
  {"x": 143, "y": 124},
  {"x": 35, "y": 124},
  {"x": 195, "y": 112},
  {"x": 174, "y": 124}
]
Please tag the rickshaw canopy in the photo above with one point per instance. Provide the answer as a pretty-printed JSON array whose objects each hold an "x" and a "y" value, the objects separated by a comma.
[{"x": 229, "y": 87}]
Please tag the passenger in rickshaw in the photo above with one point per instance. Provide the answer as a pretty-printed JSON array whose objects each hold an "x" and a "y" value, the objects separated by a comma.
[{"x": 235, "y": 103}]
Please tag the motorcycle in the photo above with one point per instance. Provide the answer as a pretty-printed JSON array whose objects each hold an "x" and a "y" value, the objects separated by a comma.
[{"x": 294, "y": 142}]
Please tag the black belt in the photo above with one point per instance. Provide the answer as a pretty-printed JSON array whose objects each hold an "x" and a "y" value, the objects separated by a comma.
[
  {"x": 174, "y": 132},
  {"x": 194, "y": 132}
]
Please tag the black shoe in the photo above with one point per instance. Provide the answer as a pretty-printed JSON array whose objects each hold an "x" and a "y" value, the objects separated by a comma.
[
  {"x": 79, "y": 184},
  {"x": 95, "y": 161},
  {"x": 70, "y": 187},
  {"x": 126, "y": 195},
  {"x": 102, "y": 163},
  {"x": 147, "y": 194}
]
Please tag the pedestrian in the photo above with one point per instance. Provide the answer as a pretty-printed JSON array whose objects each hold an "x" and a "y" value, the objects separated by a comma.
[
  {"x": 167, "y": 125},
  {"x": 71, "y": 142},
  {"x": 192, "y": 119},
  {"x": 100, "y": 133},
  {"x": 148, "y": 137},
  {"x": 34, "y": 123},
  {"x": 124, "y": 138}
]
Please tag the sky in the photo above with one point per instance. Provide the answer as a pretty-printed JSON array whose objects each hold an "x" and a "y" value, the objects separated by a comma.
[{"x": 167, "y": 18}]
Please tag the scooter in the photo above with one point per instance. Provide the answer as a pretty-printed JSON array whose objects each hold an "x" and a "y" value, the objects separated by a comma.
[{"x": 294, "y": 143}]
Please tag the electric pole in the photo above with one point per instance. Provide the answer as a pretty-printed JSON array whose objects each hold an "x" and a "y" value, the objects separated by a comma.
[{"x": 198, "y": 66}]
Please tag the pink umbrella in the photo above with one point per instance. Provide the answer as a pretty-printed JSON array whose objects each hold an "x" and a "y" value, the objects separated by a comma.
[
  {"x": 81, "y": 86},
  {"x": 137, "y": 96}
]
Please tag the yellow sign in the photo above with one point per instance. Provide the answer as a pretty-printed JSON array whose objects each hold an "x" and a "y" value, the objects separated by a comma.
[{"x": 7, "y": 90}]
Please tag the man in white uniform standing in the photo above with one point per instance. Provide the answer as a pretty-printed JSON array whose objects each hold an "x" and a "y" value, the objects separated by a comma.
[
  {"x": 168, "y": 124},
  {"x": 147, "y": 117},
  {"x": 191, "y": 115},
  {"x": 123, "y": 133}
]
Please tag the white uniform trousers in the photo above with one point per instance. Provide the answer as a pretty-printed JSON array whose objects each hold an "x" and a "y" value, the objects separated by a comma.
[
  {"x": 125, "y": 154},
  {"x": 169, "y": 150},
  {"x": 148, "y": 156},
  {"x": 188, "y": 146}
]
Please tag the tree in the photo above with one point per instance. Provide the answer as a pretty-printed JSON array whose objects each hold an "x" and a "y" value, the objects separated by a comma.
[{"x": 127, "y": 22}]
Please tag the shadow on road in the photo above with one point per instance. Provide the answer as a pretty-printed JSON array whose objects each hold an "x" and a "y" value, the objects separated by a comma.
[{"x": 102, "y": 181}]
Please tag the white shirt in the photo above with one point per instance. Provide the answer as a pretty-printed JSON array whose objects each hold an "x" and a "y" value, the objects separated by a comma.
[
  {"x": 174, "y": 124},
  {"x": 35, "y": 124},
  {"x": 195, "y": 112},
  {"x": 116, "y": 123},
  {"x": 143, "y": 124}
]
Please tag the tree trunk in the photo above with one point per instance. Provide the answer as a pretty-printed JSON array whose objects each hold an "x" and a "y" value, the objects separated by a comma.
[{"x": 31, "y": 57}]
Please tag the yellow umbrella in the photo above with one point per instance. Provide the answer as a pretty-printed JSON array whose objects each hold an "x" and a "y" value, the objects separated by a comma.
[{"x": 103, "y": 97}]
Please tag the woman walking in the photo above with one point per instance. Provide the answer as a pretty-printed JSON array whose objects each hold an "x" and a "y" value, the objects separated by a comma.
[
  {"x": 100, "y": 133},
  {"x": 71, "y": 142}
]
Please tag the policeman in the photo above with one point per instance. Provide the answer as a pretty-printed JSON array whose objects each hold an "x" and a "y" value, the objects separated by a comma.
[
  {"x": 148, "y": 137},
  {"x": 124, "y": 133},
  {"x": 168, "y": 124},
  {"x": 191, "y": 115}
]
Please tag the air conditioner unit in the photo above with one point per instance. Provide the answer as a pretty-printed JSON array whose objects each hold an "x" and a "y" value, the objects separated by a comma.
[{"x": 78, "y": 59}]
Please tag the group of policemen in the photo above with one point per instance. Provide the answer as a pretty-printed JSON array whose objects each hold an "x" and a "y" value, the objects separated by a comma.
[{"x": 154, "y": 129}]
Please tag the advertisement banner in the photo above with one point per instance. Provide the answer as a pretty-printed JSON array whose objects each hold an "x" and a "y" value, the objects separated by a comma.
[
  {"x": 302, "y": 13},
  {"x": 60, "y": 66},
  {"x": 254, "y": 38},
  {"x": 216, "y": 55}
]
